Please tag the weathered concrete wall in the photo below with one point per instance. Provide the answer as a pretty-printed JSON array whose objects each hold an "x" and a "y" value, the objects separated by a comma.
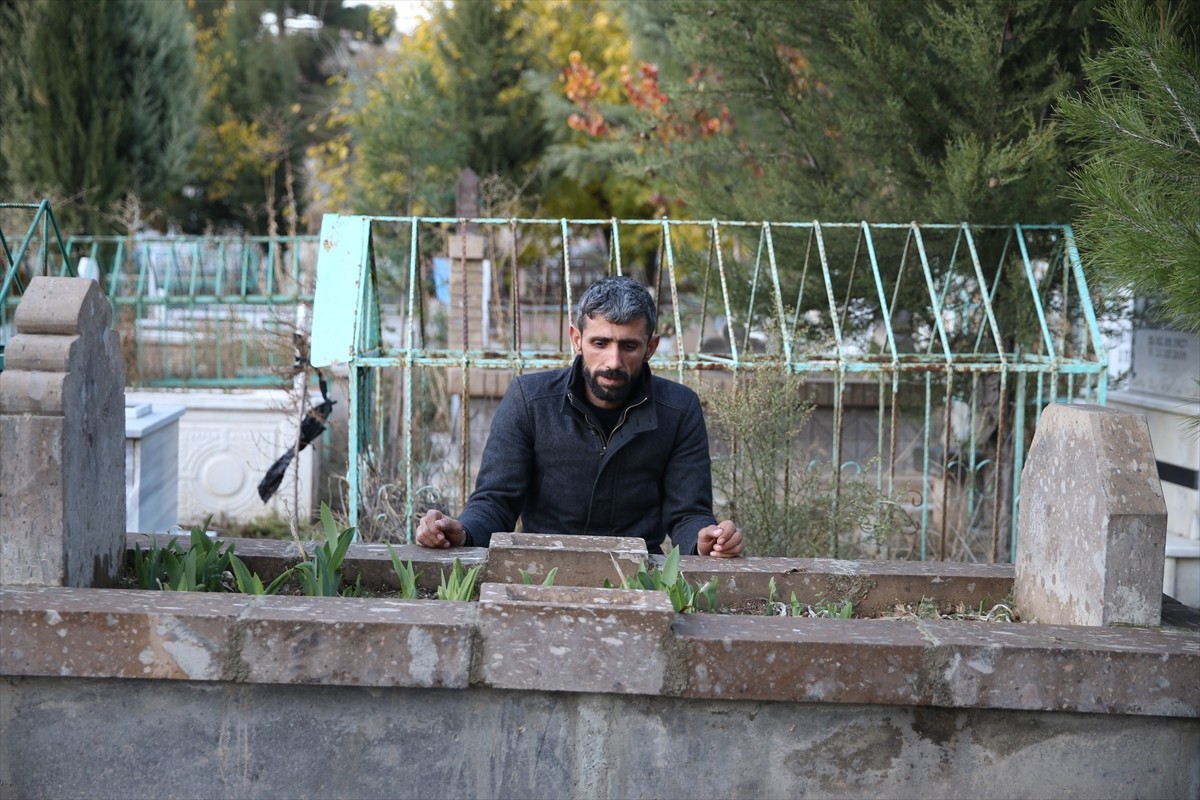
[
  {"x": 62, "y": 436},
  {"x": 1092, "y": 528},
  {"x": 143, "y": 738}
]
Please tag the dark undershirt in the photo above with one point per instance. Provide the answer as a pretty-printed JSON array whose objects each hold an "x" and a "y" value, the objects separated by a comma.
[{"x": 607, "y": 418}]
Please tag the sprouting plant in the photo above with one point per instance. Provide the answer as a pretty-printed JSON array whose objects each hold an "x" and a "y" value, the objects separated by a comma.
[
  {"x": 843, "y": 610},
  {"x": 684, "y": 596},
  {"x": 321, "y": 576},
  {"x": 927, "y": 609},
  {"x": 773, "y": 606},
  {"x": 249, "y": 583},
  {"x": 549, "y": 580},
  {"x": 825, "y": 609},
  {"x": 795, "y": 606},
  {"x": 405, "y": 574},
  {"x": 203, "y": 567},
  {"x": 149, "y": 567},
  {"x": 461, "y": 584}
]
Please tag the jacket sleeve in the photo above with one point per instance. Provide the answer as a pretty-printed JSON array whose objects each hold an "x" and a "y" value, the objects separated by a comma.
[
  {"x": 687, "y": 484},
  {"x": 505, "y": 471}
]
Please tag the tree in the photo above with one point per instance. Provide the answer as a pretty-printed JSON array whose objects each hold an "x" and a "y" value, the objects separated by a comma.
[
  {"x": 101, "y": 104},
  {"x": 912, "y": 109},
  {"x": 1139, "y": 186},
  {"x": 464, "y": 90},
  {"x": 484, "y": 54},
  {"x": 264, "y": 81}
]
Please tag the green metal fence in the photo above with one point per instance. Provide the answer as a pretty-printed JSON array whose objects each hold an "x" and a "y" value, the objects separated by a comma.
[
  {"x": 204, "y": 311},
  {"x": 926, "y": 350},
  {"x": 198, "y": 311},
  {"x": 31, "y": 245}
]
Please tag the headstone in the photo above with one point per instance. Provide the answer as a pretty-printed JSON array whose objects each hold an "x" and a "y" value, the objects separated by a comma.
[
  {"x": 466, "y": 195},
  {"x": 1092, "y": 523},
  {"x": 62, "y": 439}
]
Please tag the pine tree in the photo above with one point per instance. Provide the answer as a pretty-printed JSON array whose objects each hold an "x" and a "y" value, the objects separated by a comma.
[
  {"x": 910, "y": 109},
  {"x": 101, "y": 105},
  {"x": 1139, "y": 187},
  {"x": 484, "y": 56}
]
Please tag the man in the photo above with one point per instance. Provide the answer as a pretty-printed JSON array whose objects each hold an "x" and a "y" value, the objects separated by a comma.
[{"x": 601, "y": 447}]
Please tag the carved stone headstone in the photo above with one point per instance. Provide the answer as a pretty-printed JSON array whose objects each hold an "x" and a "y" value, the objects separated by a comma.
[
  {"x": 1092, "y": 524},
  {"x": 62, "y": 439}
]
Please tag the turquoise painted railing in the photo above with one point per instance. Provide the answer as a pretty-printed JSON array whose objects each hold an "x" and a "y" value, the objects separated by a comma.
[
  {"x": 204, "y": 311},
  {"x": 37, "y": 251},
  {"x": 198, "y": 311},
  {"x": 930, "y": 348}
]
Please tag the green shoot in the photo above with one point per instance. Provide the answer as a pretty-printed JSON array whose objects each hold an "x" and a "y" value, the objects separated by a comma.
[
  {"x": 549, "y": 581},
  {"x": 670, "y": 579},
  {"x": 203, "y": 568},
  {"x": 249, "y": 583},
  {"x": 460, "y": 585},
  {"x": 322, "y": 575},
  {"x": 405, "y": 574}
]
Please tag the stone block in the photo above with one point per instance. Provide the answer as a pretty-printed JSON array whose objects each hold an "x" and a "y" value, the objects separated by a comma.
[
  {"x": 117, "y": 633},
  {"x": 875, "y": 587},
  {"x": 581, "y": 560},
  {"x": 948, "y": 663},
  {"x": 151, "y": 467},
  {"x": 1092, "y": 523},
  {"x": 570, "y": 638},
  {"x": 357, "y": 642},
  {"x": 62, "y": 433},
  {"x": 473, "y": 248}
]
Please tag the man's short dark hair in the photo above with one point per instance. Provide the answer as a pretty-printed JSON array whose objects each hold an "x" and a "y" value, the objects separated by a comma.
[{"x": 620, "y": 300}]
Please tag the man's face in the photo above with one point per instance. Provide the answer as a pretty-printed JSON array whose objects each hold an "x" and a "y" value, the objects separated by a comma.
[{"x": 613, "y": 356}]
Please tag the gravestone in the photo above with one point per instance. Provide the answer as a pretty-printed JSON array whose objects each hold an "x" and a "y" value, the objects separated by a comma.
[
  {"x": 1092, "y": 523},
  {"x": 62, "y": 439}
]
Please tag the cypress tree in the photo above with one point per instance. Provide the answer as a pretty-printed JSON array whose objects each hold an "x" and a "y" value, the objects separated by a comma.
[
  {"x": 102, "y": 104},
  {"x": 484, "y": 57}
]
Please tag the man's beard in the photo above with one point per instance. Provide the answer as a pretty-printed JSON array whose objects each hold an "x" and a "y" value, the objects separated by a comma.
[{"x": 617, "y": 393}]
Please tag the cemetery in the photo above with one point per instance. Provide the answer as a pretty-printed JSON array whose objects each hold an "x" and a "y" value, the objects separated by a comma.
[
  {"x": 914, "y": 415},
  {"x": 573, "y": 689}
]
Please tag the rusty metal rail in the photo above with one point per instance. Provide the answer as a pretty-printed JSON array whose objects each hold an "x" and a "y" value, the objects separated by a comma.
[{"x": 982, "y": 325}]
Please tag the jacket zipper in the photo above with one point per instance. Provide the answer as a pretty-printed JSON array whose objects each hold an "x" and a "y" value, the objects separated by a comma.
[
  {"x": 603, "y": 448},
  {"x": 604, "y": 440}
]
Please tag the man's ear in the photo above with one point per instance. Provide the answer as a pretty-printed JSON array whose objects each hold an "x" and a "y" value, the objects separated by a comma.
[
  {"x": 576, "y": 340},
  {"x": 652, "y": 346}
]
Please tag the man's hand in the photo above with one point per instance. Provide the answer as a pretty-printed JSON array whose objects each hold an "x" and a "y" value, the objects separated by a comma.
[
  {"x": 720, "y": 541},
  {"x": 438, "y": 530}
]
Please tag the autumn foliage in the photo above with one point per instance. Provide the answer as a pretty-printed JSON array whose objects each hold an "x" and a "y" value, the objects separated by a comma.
[{"x": 666, "y": 120}]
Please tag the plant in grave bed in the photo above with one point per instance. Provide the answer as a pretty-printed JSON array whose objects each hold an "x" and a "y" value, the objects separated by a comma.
[
  {"x": 321, "y": 575},
  {"x": 548, "y": 581},
  {"x": 822, "y": 609},
  {"x": 203, "y": 567},
  {"x": 461, "y": 583},
  {"x": 669, "y": 578},
  {"x": 405, "y": 574},
  {"x": 249, "y": 583}
]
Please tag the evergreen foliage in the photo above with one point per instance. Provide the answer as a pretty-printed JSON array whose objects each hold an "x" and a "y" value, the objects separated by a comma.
[
  {"x": 1139, "y": 187},
  {"x": 911, "y": 109},
  {"x": 484, "y": 57},
  {"x": 98, "y": 102}
]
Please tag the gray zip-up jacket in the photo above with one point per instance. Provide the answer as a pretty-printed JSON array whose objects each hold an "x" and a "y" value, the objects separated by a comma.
[{"x": 548, "y": 462}]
